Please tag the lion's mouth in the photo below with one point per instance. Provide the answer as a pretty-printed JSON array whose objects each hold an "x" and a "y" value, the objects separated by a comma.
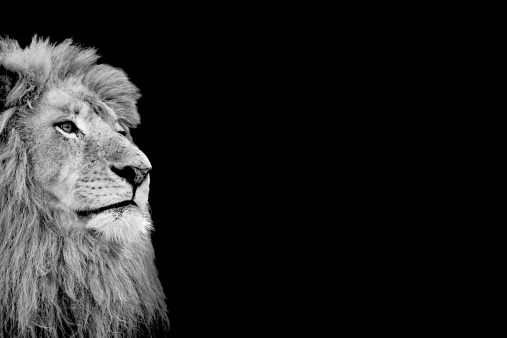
[{"x": 84, "y": 213}]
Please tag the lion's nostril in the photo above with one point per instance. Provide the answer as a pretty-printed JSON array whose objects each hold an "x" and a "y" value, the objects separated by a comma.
[{"x": 133, "y": 175}]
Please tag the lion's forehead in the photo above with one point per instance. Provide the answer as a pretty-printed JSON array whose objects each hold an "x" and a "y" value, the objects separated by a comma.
[
  {"x": 81, "y": 102},
  {"x": 64, "y": 97}
]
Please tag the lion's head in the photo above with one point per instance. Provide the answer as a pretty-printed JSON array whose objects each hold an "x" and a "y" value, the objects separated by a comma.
[{"x": 75, "y": 250}]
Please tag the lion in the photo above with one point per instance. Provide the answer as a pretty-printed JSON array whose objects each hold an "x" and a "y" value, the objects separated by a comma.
[{"x": 76, "y": 258}]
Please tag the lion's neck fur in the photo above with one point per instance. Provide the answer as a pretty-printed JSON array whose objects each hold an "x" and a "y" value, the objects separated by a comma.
[{"x": 56, "y": 282}]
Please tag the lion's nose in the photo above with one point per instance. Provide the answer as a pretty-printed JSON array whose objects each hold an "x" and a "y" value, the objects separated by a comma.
[{"x": 135, "y": 176}]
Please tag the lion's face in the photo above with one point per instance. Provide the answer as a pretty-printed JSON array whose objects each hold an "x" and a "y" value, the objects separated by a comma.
[{"x": 84, "y": 157}]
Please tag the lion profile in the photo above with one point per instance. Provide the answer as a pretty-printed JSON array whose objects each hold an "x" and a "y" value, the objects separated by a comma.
[{"x": 76, "y": 259}]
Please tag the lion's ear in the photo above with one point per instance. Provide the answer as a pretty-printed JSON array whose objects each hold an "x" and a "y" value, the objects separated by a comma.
[
  {"x": 9, "y": 71},
  {"x": 4, "y": 118},
  {"x": 7, "y": 81}
]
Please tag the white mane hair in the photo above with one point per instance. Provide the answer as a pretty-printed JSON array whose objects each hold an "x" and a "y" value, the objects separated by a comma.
[
  {"x": 56, "y": 281},
  {"x": 42, "y": 65}
]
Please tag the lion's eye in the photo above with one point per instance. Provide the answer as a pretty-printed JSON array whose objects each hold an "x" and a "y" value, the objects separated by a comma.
[
  {"x": 67, "y": 127},
  {"x": 120, "y": 129}
]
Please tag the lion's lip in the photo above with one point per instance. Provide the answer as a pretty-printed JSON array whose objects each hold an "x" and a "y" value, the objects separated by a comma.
[{"x": 88, "y": 212}]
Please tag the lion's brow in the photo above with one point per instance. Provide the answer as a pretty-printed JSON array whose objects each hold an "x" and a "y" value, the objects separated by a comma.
[{"x": 98, "y": 107}]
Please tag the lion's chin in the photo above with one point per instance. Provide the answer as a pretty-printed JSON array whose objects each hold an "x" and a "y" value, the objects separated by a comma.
[{"x": 122, "y": 226}]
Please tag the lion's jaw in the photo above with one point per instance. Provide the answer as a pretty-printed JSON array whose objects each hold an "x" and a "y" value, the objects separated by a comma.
[{"x": 75, "y": 168}]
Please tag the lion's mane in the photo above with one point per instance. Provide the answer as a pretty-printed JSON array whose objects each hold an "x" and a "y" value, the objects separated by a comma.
[{"x": 56, "y": 281}]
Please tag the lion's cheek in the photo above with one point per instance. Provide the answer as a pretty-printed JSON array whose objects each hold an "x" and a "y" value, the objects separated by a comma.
[
  {"x": 56, "y": 164},
  {"x": 63, "y": 183},
  {"x": 68, "y": 180}
]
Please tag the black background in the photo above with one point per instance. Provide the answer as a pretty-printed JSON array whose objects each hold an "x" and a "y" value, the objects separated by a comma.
[{"x": 180, "y": 110}]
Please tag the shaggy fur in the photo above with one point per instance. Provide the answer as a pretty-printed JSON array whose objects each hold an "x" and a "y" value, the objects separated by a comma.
[
  {"x": 41, "y": 66},
  {"x": 57, "y": 280}
]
